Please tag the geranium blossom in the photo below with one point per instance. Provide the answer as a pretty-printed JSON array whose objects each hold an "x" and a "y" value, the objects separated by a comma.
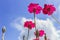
[
  {"x": 29, "y": 24},
  {"x": 36, "y": 39},
  {"x": 34, "y": 8},
  {"x": 40, "y": 33},
  {"x": 48, "y": 9}
]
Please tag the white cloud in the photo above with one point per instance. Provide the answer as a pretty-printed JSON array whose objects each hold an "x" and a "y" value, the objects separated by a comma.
[{"x": 46, "y": 25}]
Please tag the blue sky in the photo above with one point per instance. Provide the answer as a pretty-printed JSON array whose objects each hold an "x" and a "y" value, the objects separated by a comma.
[{"x": 12, "y": 9}]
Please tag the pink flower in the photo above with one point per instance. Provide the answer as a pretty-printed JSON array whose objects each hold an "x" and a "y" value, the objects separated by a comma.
[
  {"x": 39, "y": 33},
  {"x": 48, "y": 9},
  {"x": 29, "y": 24},
  {"x": 36, "y": 39},
  {"x": 34, "y": 8}
]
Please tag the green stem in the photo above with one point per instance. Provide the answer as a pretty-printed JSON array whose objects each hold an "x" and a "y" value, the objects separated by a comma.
[
  {"x": 28, "y": 34},
  {"x": 35, "y": 22},
  {"x": 23, "y": 37},
  {"x": 45, "y": 37}
]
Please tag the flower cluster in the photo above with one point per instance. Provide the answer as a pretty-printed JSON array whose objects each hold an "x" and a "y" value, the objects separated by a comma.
[
  {"x": 35, "y": 8},
  {"x": 39, "y": 33},
  {"x": 48, "y": 9},
  {"x": 29, "y": 24}
]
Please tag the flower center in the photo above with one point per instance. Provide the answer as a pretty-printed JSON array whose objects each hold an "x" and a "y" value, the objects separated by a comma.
[
  {"x": 34, "y": 10},
  {"x": 48, "y": 9},
  {"x": 29, "y": 26}
]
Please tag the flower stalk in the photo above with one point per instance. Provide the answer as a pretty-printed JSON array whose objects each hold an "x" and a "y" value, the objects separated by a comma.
[
  {"x": 45, "y": 37},
  {"x": 35, "y": 22},
  {"x": 28, "y": 34},
  {"x": 23, "y": 37},
  {"x": 29, "y": 25}
]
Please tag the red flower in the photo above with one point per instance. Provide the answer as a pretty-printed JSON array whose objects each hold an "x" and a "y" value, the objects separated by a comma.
[
  {"x": 34, "y": 8},
  {"x": 29, "y": 24},
  {"x": 39, "y": 33},
  {"x": 36, "y": 39},
  {"x": 48, "y": 9}
]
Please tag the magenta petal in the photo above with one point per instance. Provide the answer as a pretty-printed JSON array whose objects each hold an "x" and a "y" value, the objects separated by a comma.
[
  {"x": 48, "y": 9},
  {"x": 34, "y": 6},
  {"x": 41, "y": 33},
  {"x": 29, "y": 24}
]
